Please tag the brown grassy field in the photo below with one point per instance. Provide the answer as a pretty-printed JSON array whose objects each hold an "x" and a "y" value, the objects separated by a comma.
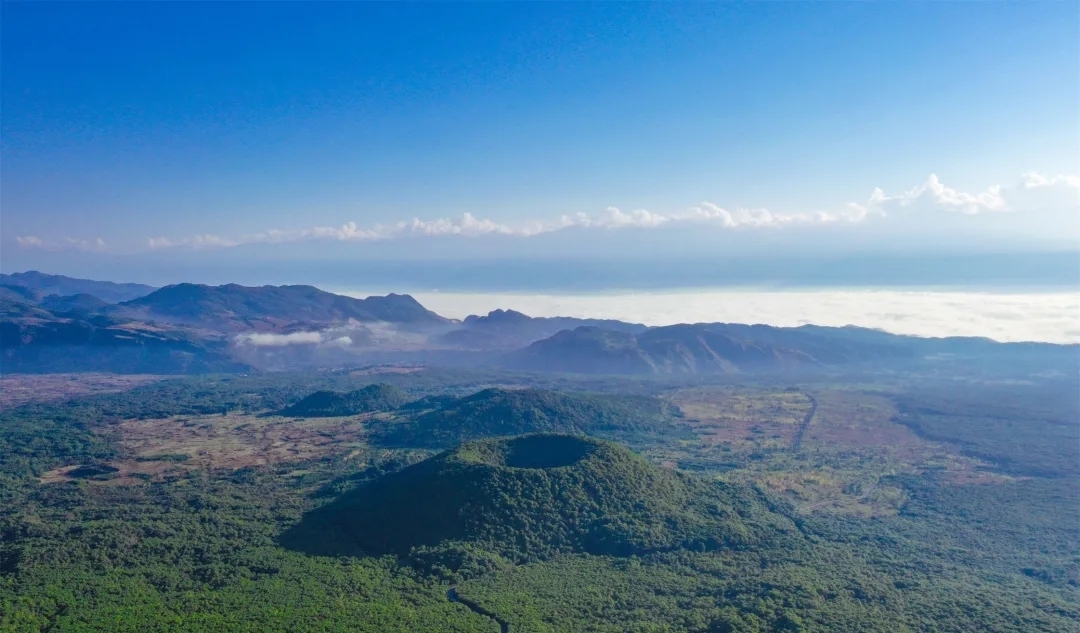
[
  {"x": 168, "y": 446},
  {"x": 18, "y": 389},
  {"x": 848, "y": 450},
  {"x": 850, "y": 445}
]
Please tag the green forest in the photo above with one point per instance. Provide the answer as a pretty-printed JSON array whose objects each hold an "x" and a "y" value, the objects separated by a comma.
[{"x": 543, "y": 532}]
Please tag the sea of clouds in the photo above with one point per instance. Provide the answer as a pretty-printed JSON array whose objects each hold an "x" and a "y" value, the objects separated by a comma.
[{"x": 1052, "y": 316}]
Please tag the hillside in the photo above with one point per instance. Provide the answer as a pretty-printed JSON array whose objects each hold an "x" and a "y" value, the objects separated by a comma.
[
  {"x": 85, "y": 303},
  {"x": 377, "y": 397},
  {"x": 10, "y": 292},
  {"x": 500, "y": 412},
  {"x": 677, "y": 349},
  {"x": 234, "y": 307},
  {"x": 107, "y": 291},
  {"x": 709, "y": 348},
  {"x": 509, "y": 329},
  {"x": 530, "y": 497},
  {"x": 588, "y": 350},
  {"x": 34, "y": 340}
]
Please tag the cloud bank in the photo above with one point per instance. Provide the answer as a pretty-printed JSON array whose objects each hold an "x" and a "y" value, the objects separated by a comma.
[
  {"x": 1033, "y": 192},
  {"x": 1003, "y": 316},
  {"x": 266, "y": 339},
  {"x": 66, "y": 243}
]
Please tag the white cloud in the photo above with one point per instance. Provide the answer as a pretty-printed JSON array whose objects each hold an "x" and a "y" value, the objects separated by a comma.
[
  {"x": 934, "y": 194},
  {"x": 1035, "y": 180},
  {"x": 264, "y": 339},
  {"x": 465, "y": 225},
  {"x": 198, "y": 241},
  {"x": 611, "y": 218},
  {"x": 95, "y": 244},
  {"x": 66, "y": 243},
  {"x": 1038, "y": 193},
  {"x": 1004, "y": 316},
  {"x": 1033, "y": 192},
  {"x": 341, "y": 341}
]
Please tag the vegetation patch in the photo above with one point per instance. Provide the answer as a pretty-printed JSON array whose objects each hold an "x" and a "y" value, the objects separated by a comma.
[
  {"x": 527, "y": 498},
  {"x": 502, "y": 412},
  {"x": 325, "y": 404},
  {"x": 853, "y": 442}
]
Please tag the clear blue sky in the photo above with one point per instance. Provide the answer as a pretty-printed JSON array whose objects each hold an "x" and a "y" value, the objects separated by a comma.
[{"x": 270, "y": 127}]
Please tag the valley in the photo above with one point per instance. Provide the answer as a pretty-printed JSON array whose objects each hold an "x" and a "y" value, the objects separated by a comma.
[
  {"x": 543, "y": 317},
  {"x": 196, "y": 329},
  {"x": 296, "y": 499},
  {"x": 284, "y": 459}
]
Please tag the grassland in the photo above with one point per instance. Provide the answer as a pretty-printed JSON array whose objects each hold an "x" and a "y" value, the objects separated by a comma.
[
  {"x": 18, "y": 389},
  {"x": 162, "y": 508},
  {"x": 851, "y": 447},
  {"x": 170, "y": 447}
]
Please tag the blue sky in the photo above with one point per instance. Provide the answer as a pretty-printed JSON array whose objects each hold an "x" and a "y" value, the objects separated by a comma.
[{"x": 181, "y": 134}]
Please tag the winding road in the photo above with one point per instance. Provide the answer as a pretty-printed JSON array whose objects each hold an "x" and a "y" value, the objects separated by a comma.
[{"x": 452, "y": 596}]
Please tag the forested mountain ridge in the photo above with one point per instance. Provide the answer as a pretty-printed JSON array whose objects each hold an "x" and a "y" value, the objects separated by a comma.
[
  {"x": 677, "y": 349},
  {"x": 509, "y": 329},
  {"x": 275, "y": 328},
  {"x": 496, "y": 412},
  {"x": 240, "y": 307},
  {"x": 107, "y": 291},
  {"x": 73, "y": 339},
  {"x": 729, "y": 348},
  {"x": 376, "y": 397},
  {"x": 530, "y": 497}
]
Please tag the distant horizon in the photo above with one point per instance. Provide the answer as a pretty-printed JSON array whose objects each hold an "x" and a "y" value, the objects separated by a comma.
[
  {"x": 806, "y": 275},
  {"x": 995, "y": 272},
  {"x": 1012, "y": 313},
  {"x": 882, "y": 152}
]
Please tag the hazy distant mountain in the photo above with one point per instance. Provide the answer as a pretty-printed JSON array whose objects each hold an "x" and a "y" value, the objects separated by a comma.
[
  {"x": 10, "y": 292},
  {"x": 677, "y": 349},
  {"x": 60, "y": 285},
  {"x": 13, "y": 307},
  {"x": 35, "y": 340},
  {"x": 509, "y": 329},
  {"x": 74, "y": 303},
  {"x": 234, "y": 307},
  {"x": 191, "y": 328},
  {"x": 731, "y": 348},
  {"x": 82, "y": 302}
]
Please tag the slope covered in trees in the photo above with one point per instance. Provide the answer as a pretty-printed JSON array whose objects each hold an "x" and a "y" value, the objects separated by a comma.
[
  {"x": 200, "y": 548},
  {"x": 34, "y": 339},
  {"x": 326, "y": 404},
  {"x": 530, "y": 497},
  {"x": 497, "y": 412},
  {"x": 238, "y": 307},
  {"x": 677, "y": 349},
  {"x": 45, "y": 284}
]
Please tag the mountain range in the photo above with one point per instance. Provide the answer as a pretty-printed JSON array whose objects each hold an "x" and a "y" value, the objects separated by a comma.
[
  {"x": 507, "y": 329},
  {"x": 107, "y": 291},
  {"x": 187, "y": 327},
  {"x": 238, "y": 308}
]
